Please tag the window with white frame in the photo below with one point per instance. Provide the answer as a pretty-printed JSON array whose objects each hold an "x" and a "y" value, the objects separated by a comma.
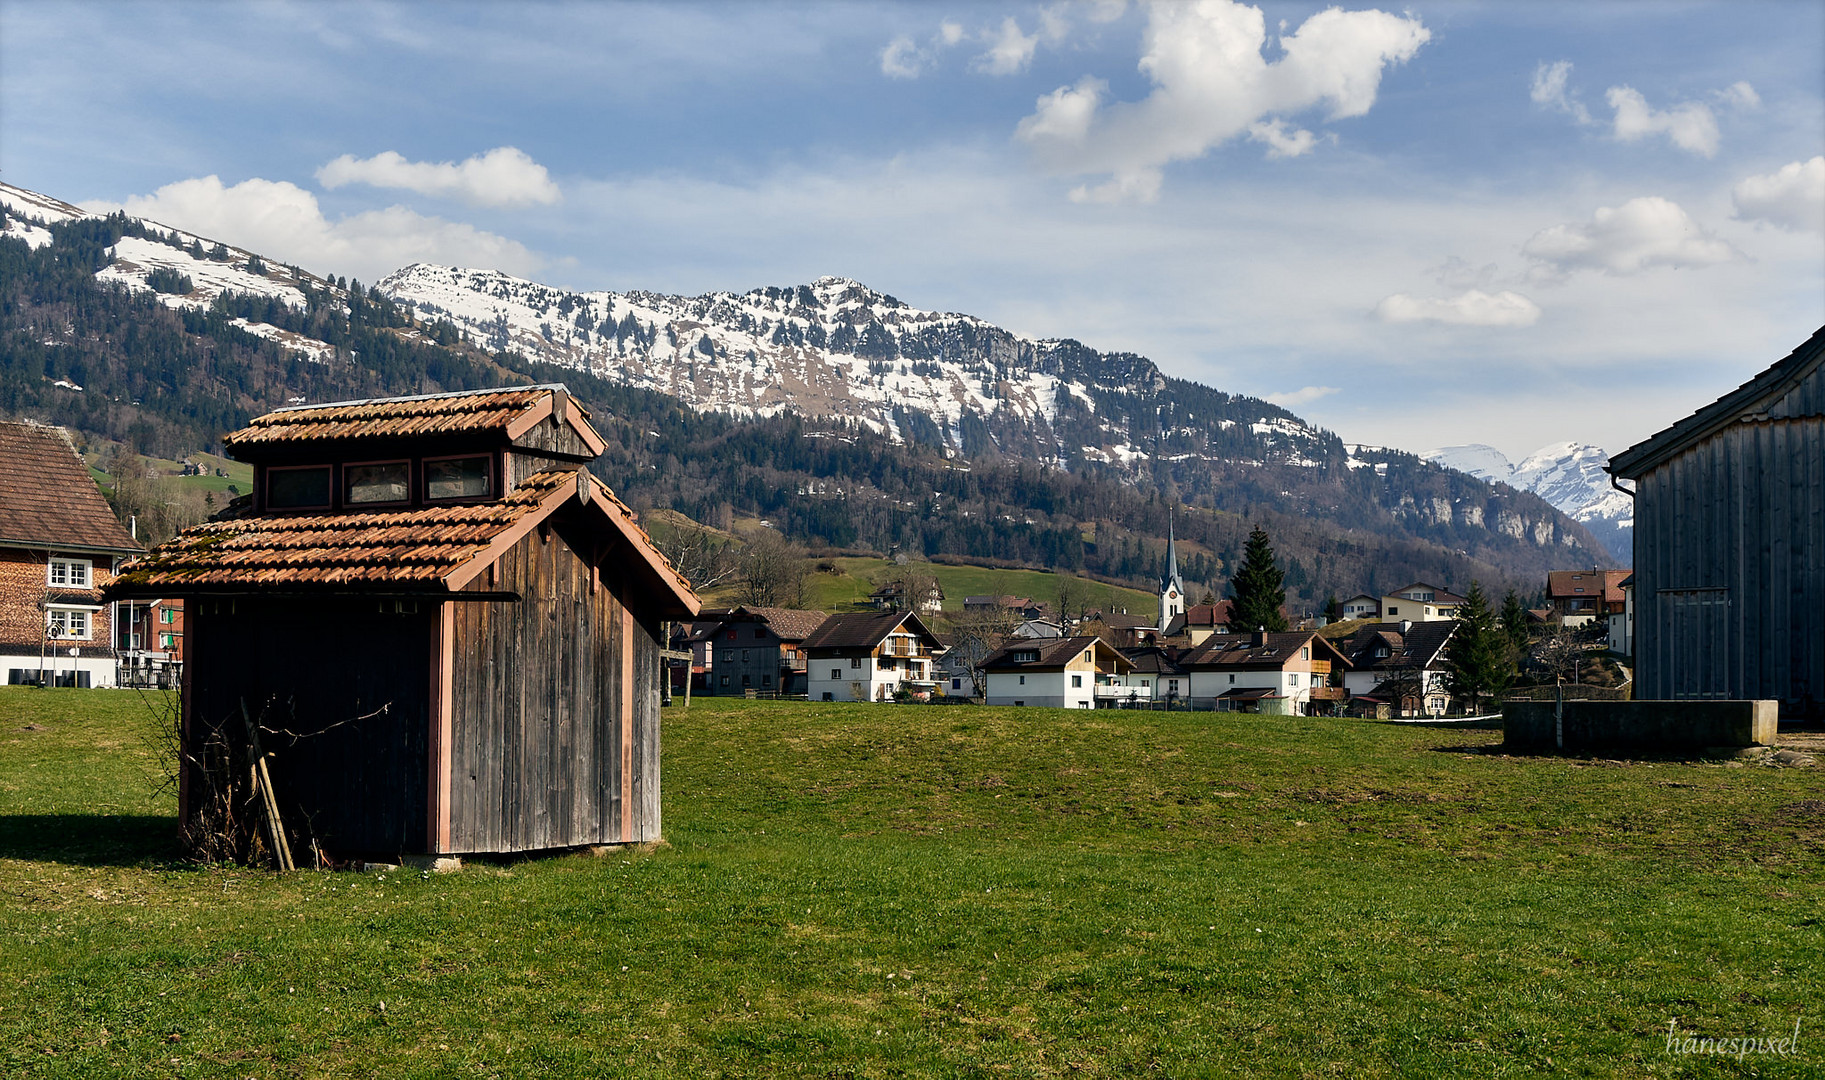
[
  {"x": 68, "y": 573},
  {"x": 67, "y": 624},
  {"x": 167, "y": 641}
]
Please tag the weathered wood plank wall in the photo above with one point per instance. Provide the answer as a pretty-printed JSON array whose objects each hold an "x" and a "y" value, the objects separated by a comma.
[
  {"x": 1730, "y": 561},
  {"x": 555, "y": 695}
]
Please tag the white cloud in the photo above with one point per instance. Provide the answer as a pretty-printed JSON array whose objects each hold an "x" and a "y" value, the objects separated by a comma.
[
  {"x": 1640, "y": 234},
  {"x": 1792, "y": 196},
  {"x": 1740, "y": 95},
  {"x": 283, "y": 221},
  {"x": 1550, "y": 88},
  {"x": 1690, "y": 125},
  {"x": 950, "y": 33},
  {"x": 1211, "y": 84},
  {"x": 1281, "y": 143},
  {"x": 504, "y": 176},
  {"x": 1473, "y": 307},
  {"x": 1009, "y": 51},
  {"x": 1292, "y": 399},
  {"x": 902, "y": 59}
]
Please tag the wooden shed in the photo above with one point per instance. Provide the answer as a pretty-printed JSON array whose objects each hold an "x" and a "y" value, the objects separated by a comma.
[
  {"x": 446, "y": 633},
  {"x": 1730, "y": 544}
]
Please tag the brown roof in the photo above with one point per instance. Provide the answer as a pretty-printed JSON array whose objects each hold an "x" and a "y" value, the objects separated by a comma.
[
  {"x": 1049, "y": 653},
  {"x": 48, "y": 498},
  {"x": 1591, "y": 583},
  {"x": 1421, "y": 645},
  {"x": 787, "y": 624},
  {"x": 435, "y": 549},
  {"x": 863, "y": 630},
  {"x": 510, "y": 411},
  {"x": 1240, "y": 651}
]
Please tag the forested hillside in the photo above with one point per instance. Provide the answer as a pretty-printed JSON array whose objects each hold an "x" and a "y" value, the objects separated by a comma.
[{"x": 148, "y": 363}]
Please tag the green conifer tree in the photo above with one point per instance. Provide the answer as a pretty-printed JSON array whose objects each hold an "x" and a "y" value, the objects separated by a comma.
[
  {"x": 1258, "y": 592},
  {"x": 1481, "y": 662},
  {"x": 1333, "y": 608},
  {"x": 1514, "y": 623}
]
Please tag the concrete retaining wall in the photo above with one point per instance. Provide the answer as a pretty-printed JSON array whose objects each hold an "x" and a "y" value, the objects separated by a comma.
[{"x": 1640, "y": 725}]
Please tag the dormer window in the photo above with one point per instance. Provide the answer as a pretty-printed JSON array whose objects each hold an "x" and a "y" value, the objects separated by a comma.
[
  {"x": 304, "y": 487},
  {"x": 459, "y": 478},
  {"x": 377, "y": 482},
  {"x": 1026, "y": 657}
]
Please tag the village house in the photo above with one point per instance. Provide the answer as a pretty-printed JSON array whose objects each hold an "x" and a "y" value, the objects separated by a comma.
[
  {"x": 1037, "y": 628},
  {"x": 150, "y": 642},
  {"x": 1577, "y": 597},
  {"x": 1622, "y": 623},
  {"x": 1200, "y": 621},
  {"x": 1420, "y": 602},
  {"x": 1398, "y": 669},
  {"x": 891, "y": 596},
  {"x": 760, "y": 650},
  {"x": 869, "y": 657},
  {"x": 59, "y": 547},
  {"x": 1287, "y": 673},
  {"x": 1156, "y": 670},
  {"x": 1729, "y": 561},
  {"x": 1361, "y": 606},
  {"x": 1063, "y": 673},
  {"x": 438, "y": 632},
  {"x": 1126, "y": 631},
  {"x": 1018, "y": 606}
]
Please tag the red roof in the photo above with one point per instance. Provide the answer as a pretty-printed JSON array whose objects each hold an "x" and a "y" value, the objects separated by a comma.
[
  {"x": 510, "y": 412},
  {"x": 48, "y": 499},
  {"x": 1566, "y": 584}
]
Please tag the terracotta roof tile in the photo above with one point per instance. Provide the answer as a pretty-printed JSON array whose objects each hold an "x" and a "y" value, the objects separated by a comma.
[
  {"x": 411, "y": 548},
  {"x": 47, "y": 496},
  {"x": 436, "y": 414}
]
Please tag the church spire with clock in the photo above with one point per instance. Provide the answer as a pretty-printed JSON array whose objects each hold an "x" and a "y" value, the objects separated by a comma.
[{"x": 1172, "y": 587}]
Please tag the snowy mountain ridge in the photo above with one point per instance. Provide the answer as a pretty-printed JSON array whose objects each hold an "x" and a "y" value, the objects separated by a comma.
[{"x": 1568, "y": 475}]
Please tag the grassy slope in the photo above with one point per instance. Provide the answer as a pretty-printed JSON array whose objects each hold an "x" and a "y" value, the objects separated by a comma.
[
  {"x": 848, "y": 589},
  {"x": 876, "y": 890}
]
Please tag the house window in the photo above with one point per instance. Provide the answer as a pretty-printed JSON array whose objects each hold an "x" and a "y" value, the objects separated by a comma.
[
  {"x": 68, "y": 573},
  {"x": 744, "y": 656},
  {"x": 458, "y": 478},
  {"x": 1305, "y": 653},
  {"x": 855, "y": 661},
  {"x": 67, "y": 625},
  {"x": 1086, "y": 654},
  {"x": 1294, "y": 679},
  {"x": 728, "y": 656},
  {"x": 1077, "y": 682},
  {"x": 298, "y": 488},
  {"x": 766, "y": 680},
  {"x": 1232, "y": 680},
  {"x": 167, "y": 615},
  {"x": 1392, "y": 610},
  {"x": 1023, "y": 680},
  {"x": 725, "y": 680},
  {"x": 747, "y": 680},
  {"x": 1172, "y": 687},
  {"x": 835, "y": 674},
  {"x": 956, "y": 684},
  {"x": 377, "y": 482},
  {"x": 1018, "y": 703},
  {"x": 167, "y": 641}
]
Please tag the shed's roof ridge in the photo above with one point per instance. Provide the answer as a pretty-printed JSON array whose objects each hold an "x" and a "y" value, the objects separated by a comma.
[{"x": 352, "y": 402}]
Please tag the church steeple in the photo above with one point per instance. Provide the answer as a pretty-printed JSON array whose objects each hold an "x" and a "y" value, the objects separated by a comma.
[{"x": 1172, "y": 587}]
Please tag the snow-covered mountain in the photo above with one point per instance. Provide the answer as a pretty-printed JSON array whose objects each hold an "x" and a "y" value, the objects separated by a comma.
[{"x": 1567, "y": 474}]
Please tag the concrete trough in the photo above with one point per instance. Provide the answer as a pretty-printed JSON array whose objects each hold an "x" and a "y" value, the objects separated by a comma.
[{"x": 1653, "y": 726}]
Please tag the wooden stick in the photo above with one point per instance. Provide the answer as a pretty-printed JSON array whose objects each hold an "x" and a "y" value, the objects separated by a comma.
[{"x": 282, "y": 846}]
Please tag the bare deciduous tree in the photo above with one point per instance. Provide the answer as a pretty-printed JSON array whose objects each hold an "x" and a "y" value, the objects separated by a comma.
[
  {"x": 705, "y": 559},
  {"x": 774, "y": 570}
]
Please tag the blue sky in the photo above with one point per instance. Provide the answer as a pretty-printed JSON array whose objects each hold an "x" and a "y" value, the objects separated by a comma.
[{"x": 1444, "y": 223}]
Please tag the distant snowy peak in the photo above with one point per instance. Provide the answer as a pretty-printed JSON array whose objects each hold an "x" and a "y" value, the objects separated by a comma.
[{"x": 1567, "y": 474}]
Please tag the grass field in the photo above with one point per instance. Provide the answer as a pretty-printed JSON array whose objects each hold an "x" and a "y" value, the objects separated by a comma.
[
  {"x": 886, "y": 890},
  {"x": 848, "y": 589}
]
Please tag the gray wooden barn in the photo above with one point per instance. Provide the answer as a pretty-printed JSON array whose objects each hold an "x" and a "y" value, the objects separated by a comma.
[
  {"x": 1730, "y": 544},
  {"x": 446, "y": 633}
]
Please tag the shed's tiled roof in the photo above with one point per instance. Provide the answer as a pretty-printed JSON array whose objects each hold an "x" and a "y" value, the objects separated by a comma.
[
  {"x": 398, "y": 547},
  {"x": 465, "y": 412},
  {"x": 420, "y": 549},
  {"x": 47, "y": 497}
]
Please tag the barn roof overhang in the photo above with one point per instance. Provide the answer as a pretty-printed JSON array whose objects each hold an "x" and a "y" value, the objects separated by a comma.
[{"x": 1745, "y": 404}]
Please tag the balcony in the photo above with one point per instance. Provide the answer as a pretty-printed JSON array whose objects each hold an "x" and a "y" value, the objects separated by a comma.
[{"x": 1104, "y": 692}]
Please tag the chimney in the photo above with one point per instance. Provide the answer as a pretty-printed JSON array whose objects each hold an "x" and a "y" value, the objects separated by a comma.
[
  {"x": 1405, "y": 625},
  {"x": 1260, "y": 637}
]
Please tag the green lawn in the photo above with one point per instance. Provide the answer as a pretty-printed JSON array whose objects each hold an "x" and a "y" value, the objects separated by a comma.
[
  {"x": 884, "y": 890},
  {"x": 848, "y": 589}
]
